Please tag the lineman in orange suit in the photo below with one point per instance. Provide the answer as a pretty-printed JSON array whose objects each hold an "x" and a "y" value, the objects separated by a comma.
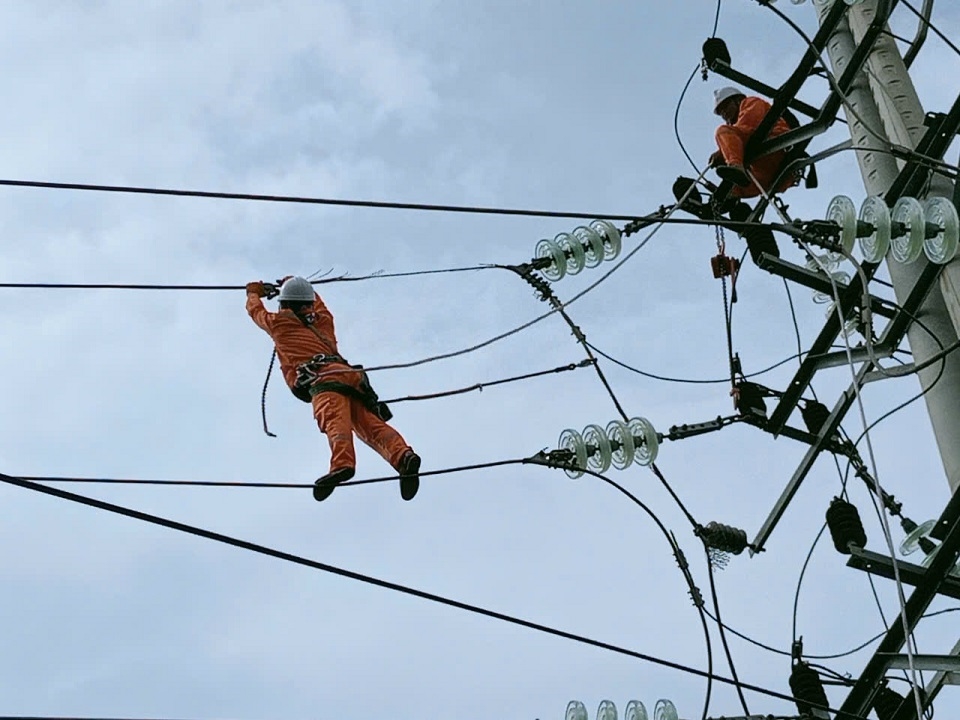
[
  {"x": 343, "y": 401},
  {"x": 742, "y": 115}
]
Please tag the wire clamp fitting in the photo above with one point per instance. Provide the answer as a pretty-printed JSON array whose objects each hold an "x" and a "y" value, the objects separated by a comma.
[{"x": 562, "y": 459}]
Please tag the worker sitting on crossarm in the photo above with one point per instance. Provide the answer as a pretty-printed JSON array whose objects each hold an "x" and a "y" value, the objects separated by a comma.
[
  {"x": 342, "y": 399},
  {"x": 742, "y": 115}
]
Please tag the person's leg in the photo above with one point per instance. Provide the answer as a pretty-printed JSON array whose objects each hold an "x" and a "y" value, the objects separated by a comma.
[
  {"x": 390, "y": 445},
  {"x": 377, "y": 434},
  {"x": 731, "y": 142},
  {"x": 332, "y": 413}
]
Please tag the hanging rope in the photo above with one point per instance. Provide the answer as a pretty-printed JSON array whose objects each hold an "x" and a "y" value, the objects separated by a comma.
[{"x": 263, "y": 394}]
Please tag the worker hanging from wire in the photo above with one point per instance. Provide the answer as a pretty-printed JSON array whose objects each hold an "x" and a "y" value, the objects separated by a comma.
[
  {"x": 742, "y": 115},
  {"x": 343, "y": 401}
]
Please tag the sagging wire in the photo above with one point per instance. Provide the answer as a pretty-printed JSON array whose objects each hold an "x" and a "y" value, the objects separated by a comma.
[
  {"x": 701, "y": 68},
  {"x": 530, "y": 323},
  {"x": 721, "y": 630},
  {"x": 833, "y": 656},
  {"x": 295, "y": 199},
  {"x": 385, "y": 584},
  {"x": 263, "y": 394},
  {"x": 564, "y": 459},
  {"x": 697, "y": 381}
]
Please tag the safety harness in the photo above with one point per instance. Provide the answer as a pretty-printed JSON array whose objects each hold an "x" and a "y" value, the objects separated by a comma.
[{"x": 308, "y": 382}]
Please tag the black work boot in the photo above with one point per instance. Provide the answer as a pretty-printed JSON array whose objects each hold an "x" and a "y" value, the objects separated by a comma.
[
  {"x": 409, "y": 469},
  {"x": 735, "y": 174},
  {"x": 323, "y": 487}
]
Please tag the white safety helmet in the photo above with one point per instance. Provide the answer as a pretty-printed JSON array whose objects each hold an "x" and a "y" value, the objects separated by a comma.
[
  {"x": 725, "y": 93},
  {"x": 297, "y": 289}
]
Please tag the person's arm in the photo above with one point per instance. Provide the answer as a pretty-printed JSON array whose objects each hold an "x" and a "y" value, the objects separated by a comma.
[
  {"x": 256, "y": 291},
  {"x": 324, "y": 322}
]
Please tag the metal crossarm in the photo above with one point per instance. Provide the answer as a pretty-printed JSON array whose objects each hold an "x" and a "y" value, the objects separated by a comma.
[{"x": 859, "y": 700}]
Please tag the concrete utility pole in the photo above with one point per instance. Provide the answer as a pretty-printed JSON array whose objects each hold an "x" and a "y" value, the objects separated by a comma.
[
  {"x": 886, "y": 105},
  {"x": 902, "y": 116}
]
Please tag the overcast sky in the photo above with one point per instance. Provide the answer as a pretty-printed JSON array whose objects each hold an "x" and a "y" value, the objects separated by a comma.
[{"x": 561, "y": 106}]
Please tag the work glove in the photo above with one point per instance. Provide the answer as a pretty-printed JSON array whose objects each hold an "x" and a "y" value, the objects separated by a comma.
[
  {"x": 262, "y": 289},
  {"x": 716, "y": 158}
]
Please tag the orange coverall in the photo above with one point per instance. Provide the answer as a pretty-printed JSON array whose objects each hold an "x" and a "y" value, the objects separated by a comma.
[
  {"x": 338, "y": 416},
  {"x": 731, "y": 140}
]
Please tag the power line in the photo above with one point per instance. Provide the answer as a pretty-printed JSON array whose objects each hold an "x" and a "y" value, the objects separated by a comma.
[
  {"x": 933, "y": 27},
  {"x": 189, "y": 287},
  {"x": 256, "y": 485},
  {"x": 378, "y": 582},
  {"x": 492, "y": 383},
  {"x": 695, "y": 381},
  {"x": 301, "y": 199}
]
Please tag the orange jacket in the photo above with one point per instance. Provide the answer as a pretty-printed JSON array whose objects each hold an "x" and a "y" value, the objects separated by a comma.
[
  {"x": 752, "y": 111},
  {"x": 296, "y": 343}
]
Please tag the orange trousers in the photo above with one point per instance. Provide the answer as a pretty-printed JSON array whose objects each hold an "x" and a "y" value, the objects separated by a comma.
[
  {"x": 731, "y": 141},
  {"x": 339, "y": 417}
]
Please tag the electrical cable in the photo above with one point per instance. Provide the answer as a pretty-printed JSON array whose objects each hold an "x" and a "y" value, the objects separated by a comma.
[
  {"x": 676, "y": 117},
  {"x": 520, "y": 328},
  {"x": 155, "y": 286},
  {"x": 242, "y": 484},
  {"x": 930, "y": 25},
  {"x": 683, "y": 93},
  {"x": 688, "y": 380},
  {"x": 385, "y": 584},
  {"x": 695, "y": 381},
  {"x": 832, "y": 656},
  {"x": 684, "y": 568},
  {"x": 492, "y": 383},
  {"x": 803, "y": 571},
  {"x": 429, "y": 207},
  {"x": 721, "y": 630},
  {"x": 911, "y": 650}
]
